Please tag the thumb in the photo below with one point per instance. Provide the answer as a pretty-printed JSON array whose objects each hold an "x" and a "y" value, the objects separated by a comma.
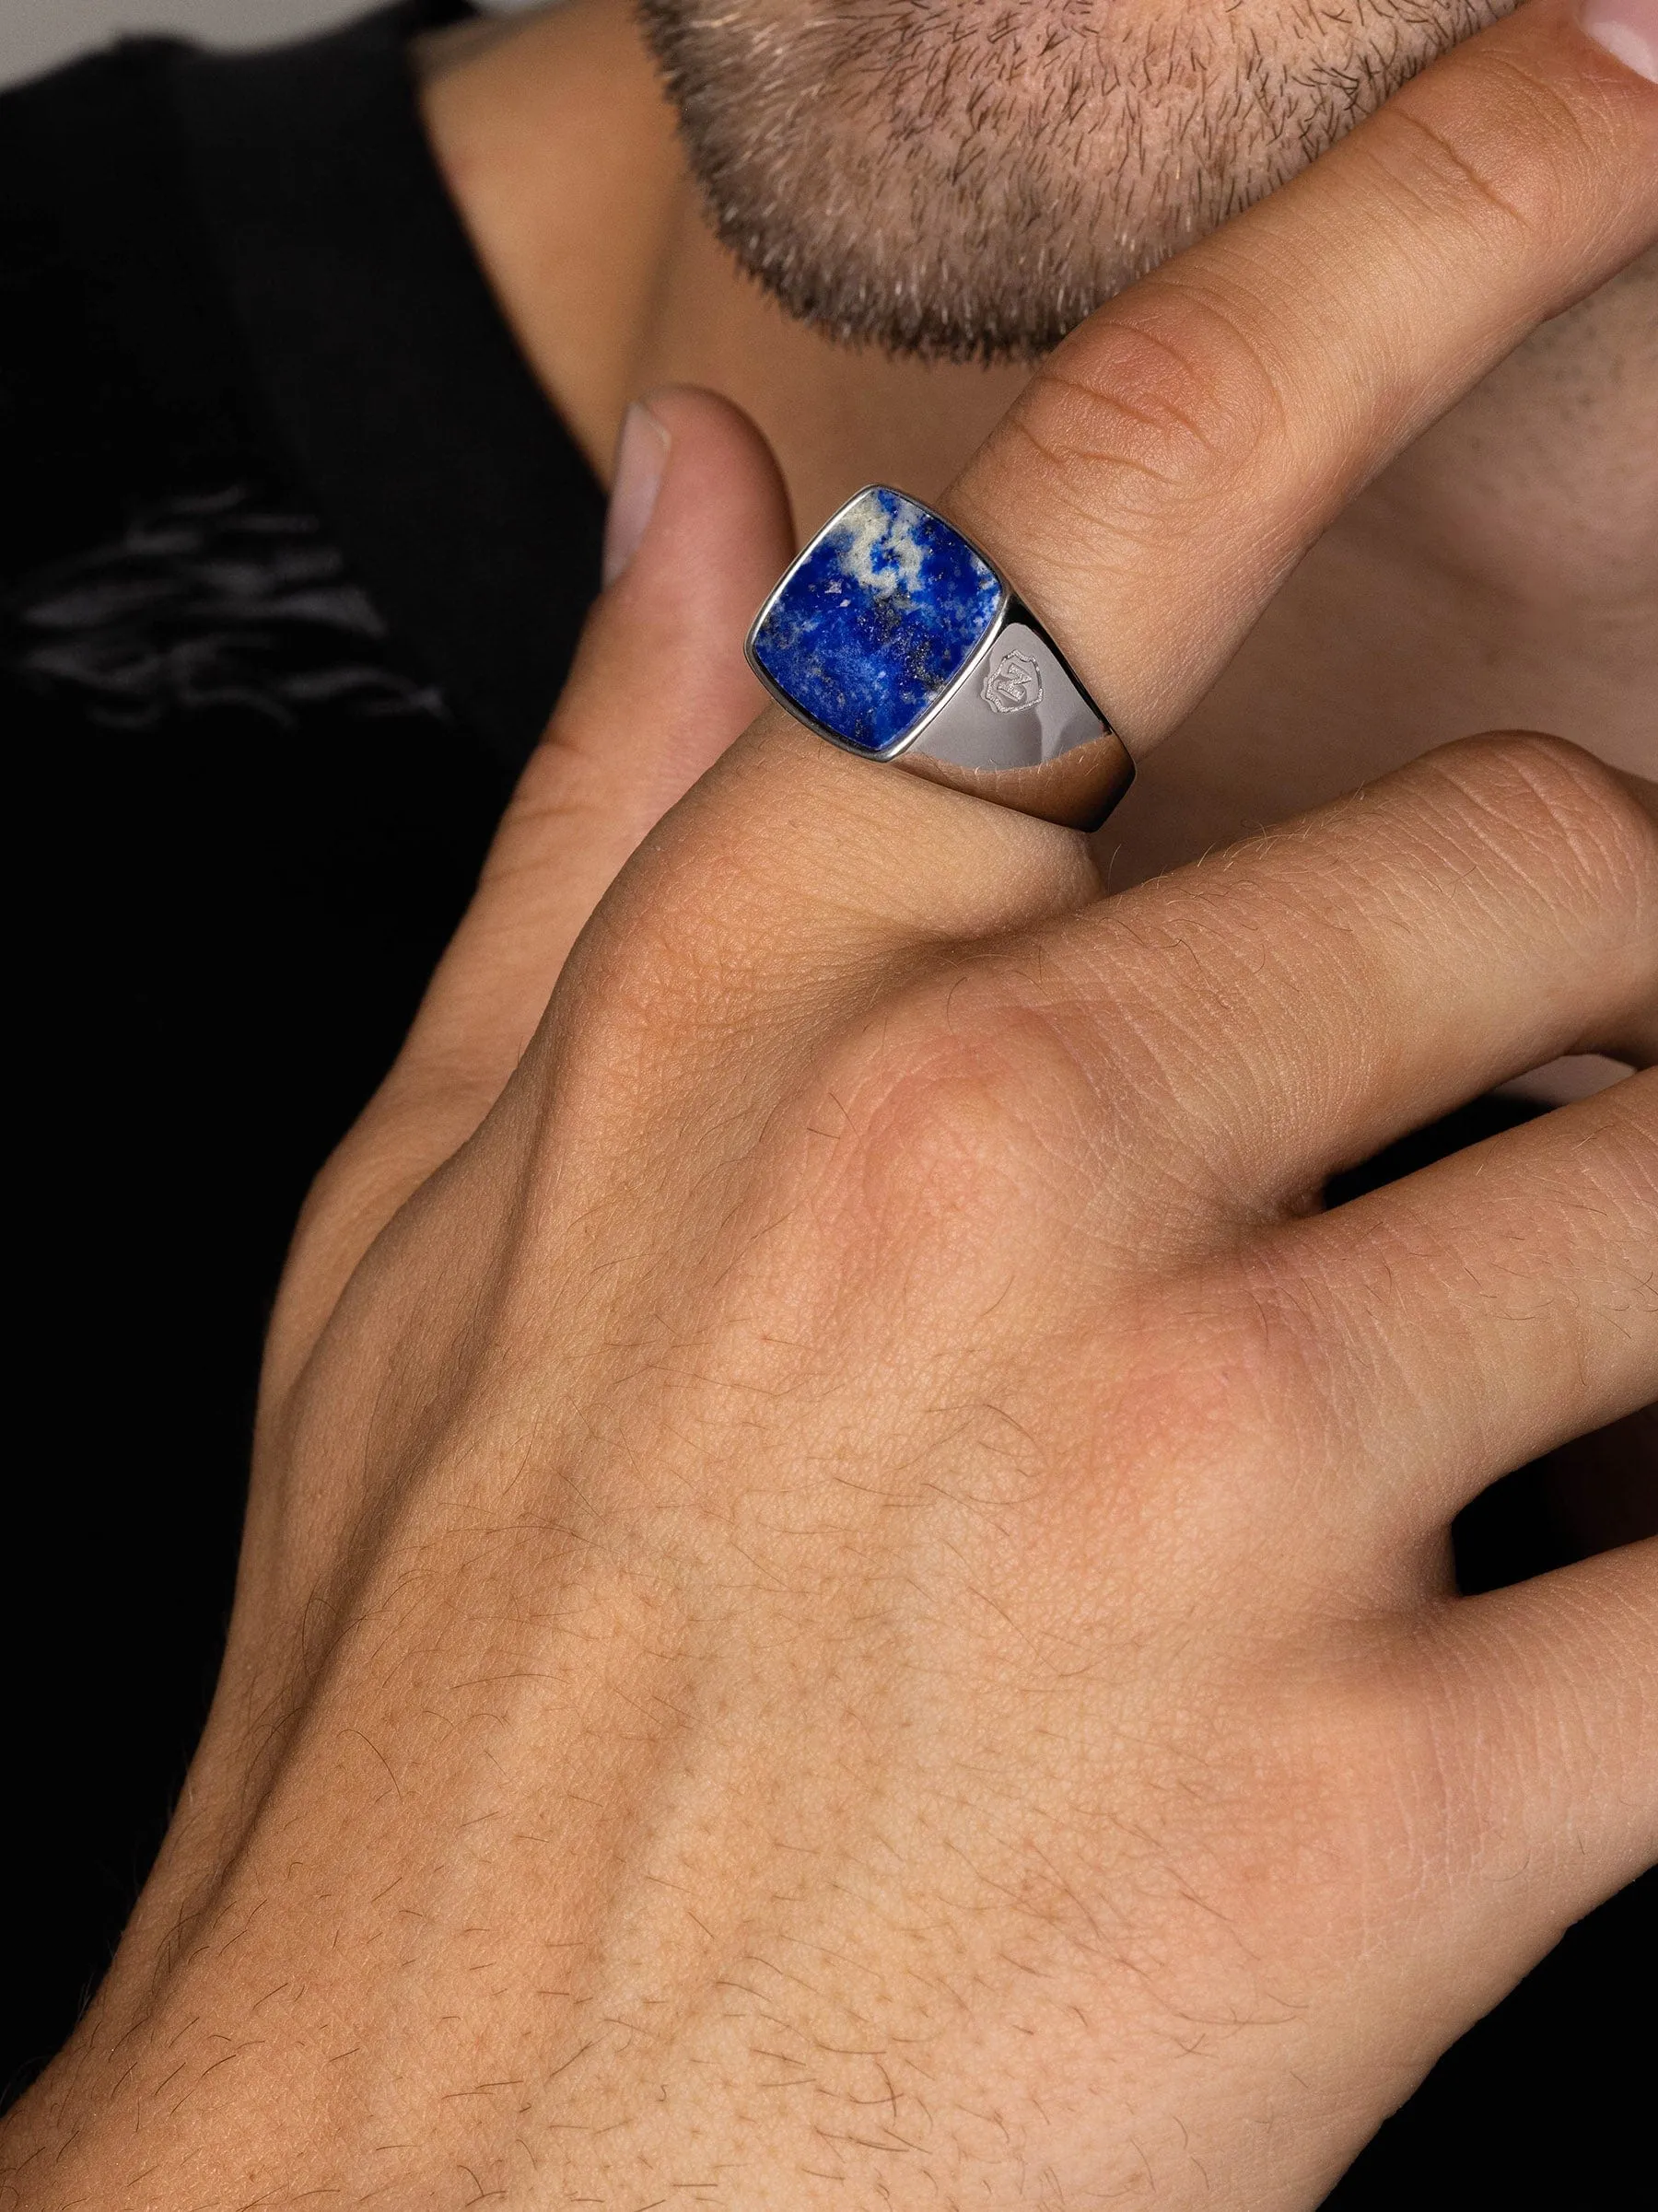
[{"x": 699, "y": 529}]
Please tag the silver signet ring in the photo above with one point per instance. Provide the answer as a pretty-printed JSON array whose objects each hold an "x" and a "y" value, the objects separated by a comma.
[{"x": 894, "y": 637}]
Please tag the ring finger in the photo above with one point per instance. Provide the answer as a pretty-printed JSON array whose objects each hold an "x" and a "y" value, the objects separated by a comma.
[
  {"x": 1290, "y": 1007},
  {"x": 1520, "y": 1271}
]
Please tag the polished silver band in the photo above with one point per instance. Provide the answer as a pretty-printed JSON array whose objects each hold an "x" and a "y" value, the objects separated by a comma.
[{"x": 1017, "y": 728}]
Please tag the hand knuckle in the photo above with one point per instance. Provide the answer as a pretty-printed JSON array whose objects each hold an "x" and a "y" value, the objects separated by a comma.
[
  {"x": 1429, "y": 165},
  {"x": 1507, "y": 158},
  {"x": 952, "y": 1099},
  {"x": 1554, "y": 814},
  {"x": 1165, "y": 399}
]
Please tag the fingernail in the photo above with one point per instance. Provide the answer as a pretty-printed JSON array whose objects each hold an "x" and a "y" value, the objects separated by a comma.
[
  {"x": 1628, "y": 29},
  {"x": 641, "y": 463}
]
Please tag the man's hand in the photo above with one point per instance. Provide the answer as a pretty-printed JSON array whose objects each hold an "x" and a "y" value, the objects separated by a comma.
[{"x": 848, "y": 1597}]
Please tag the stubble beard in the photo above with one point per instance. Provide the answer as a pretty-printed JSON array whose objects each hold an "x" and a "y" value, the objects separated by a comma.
[{"x": 962, "y": 180}]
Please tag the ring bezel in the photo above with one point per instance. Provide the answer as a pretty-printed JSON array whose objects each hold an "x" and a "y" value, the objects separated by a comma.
[
  {"x": 901, "y": 744},
  {"x": 1080, "y": 768}
]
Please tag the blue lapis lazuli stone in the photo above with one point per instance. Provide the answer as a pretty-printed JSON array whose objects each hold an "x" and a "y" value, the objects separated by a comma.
[{"x": 877, "y": 619}]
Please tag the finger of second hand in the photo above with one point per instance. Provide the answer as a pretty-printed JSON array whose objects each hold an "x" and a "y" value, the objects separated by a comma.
[{"x": 1181, "y": 450}]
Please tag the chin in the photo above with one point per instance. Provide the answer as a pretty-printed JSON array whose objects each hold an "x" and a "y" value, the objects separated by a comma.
[{"x": 960, "y": 181}]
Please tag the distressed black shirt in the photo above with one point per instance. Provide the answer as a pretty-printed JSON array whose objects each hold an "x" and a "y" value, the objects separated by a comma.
[{"x": 293, "y": 556}]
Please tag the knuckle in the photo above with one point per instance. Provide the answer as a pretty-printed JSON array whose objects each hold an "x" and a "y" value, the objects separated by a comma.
[
  {"x": 1216, "y": 1376},
  {"x": 1552, "y": 813},
  {"x": 1505, "y": 156},
  {"x": 1269, "y": 1354},
  {"x": 1029, "y": 1103},
  {"x": 1380, "y": 1787},
  {"x": 1163, "y": 399},
  {"x": 1427, "y": 164},
  {"x": 951, "y": 1101},
  {"x": 670, "y": 954}
]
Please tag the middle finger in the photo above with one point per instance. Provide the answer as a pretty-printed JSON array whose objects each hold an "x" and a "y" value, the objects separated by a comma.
[{"x": 1286, "y": 1009}]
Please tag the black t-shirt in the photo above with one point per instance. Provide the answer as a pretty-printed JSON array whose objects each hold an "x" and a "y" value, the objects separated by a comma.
[{"x": 293, "y": 556}]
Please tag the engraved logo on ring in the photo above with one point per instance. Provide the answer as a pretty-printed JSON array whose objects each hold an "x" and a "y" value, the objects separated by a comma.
[{"x": 1014, "y": 684}]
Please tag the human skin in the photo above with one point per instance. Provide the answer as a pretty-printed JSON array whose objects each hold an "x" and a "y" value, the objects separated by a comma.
[
  {"x": 847, "y": 1597},
  {"x": 1502, "y": 570}
]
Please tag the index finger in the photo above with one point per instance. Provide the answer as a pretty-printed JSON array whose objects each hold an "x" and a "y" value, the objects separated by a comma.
[{"x": 1178, "y": 453}]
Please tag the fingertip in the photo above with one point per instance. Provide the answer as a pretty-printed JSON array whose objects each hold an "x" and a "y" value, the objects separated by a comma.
[
  {"x": 699, "y": 530},
  {"x": 718, "y": 526}
]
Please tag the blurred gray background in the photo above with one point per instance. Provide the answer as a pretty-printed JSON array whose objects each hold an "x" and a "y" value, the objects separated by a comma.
[{"x": 35, "y": 33}]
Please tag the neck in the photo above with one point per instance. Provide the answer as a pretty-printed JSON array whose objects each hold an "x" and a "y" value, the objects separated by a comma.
[
  {"x": 561, "y": 153},
  {"x": 1502, "y": 572}
]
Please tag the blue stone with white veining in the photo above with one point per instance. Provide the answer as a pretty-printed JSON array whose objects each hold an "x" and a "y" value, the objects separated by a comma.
[{"x": 877, "y": 619}]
